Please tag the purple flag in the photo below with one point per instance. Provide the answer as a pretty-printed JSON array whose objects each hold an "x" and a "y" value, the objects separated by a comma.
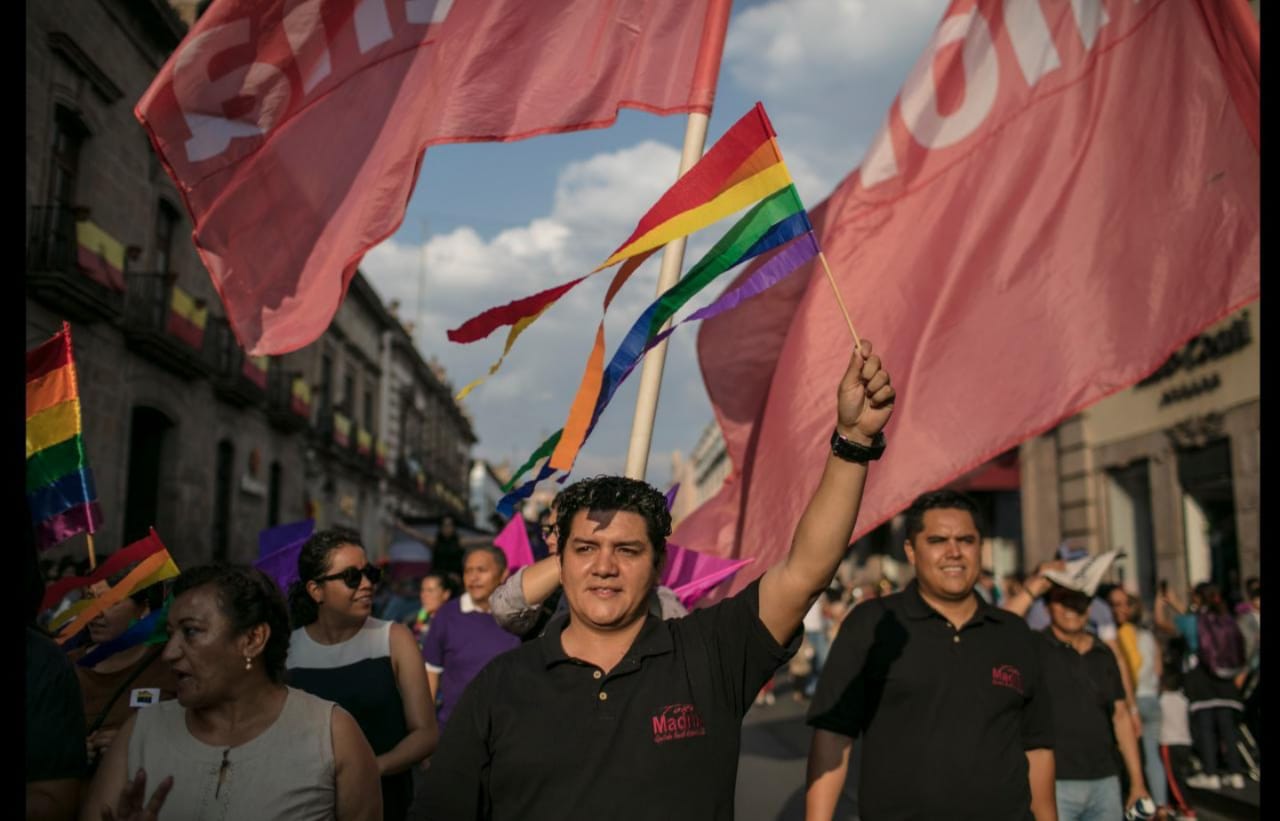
[
  {"x": 514, "y": 541},
  {"x": 671, "y": 495},
  {"x": 278, "y": 549}
]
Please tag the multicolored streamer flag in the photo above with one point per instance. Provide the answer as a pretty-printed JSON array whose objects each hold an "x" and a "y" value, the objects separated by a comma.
[
  {"x": 148, "y": 545},
  {"x": 778, "y": 223},
  {"x": 156, "y": 567},
  {"x": 743, "y": 167},
  {"x": 60, "y": 489}
]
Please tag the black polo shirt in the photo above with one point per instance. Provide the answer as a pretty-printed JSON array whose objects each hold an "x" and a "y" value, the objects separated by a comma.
[
  {"x": 945, "y": 715},
  {"x": 540, "y": 735},
  {"x": 1085, "y": 688}
]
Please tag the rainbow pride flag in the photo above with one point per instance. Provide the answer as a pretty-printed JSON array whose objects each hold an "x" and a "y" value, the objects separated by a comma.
[
  {"x": 778, "y": 225},
  {"x": 60, "y": 489},
  {"x": 743, "y": 167},
  {"x": 154, "y": 567}
]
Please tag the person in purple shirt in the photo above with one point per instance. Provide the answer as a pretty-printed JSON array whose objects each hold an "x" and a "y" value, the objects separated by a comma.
[{"x": 464, "y": 636}]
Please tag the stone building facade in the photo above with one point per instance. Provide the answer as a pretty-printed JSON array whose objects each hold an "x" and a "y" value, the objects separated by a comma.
[
  {"x": 183, "y": 431},
  {"x": 1166, "y": 471},
  {"x": 175, "y": 417}
]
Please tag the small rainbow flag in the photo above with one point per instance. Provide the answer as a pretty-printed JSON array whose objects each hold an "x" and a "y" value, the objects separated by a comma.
[
  {"x": 156, "y": 566},
  {"x": 60, "y": 489},
  {"x": 743, "y": 167}
]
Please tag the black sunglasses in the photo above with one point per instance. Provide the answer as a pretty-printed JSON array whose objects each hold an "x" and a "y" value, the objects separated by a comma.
[
  {"x": 547, "y": 530},
  {"x": 351, "y": 576}
]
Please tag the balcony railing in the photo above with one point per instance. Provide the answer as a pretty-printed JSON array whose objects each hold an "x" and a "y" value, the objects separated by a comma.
[
  {"x": 231, "y": 381},
  {"x": 285, "y": 410},
  {"x": 73, "y": 266},
  {"x": 156, "y": 330}
]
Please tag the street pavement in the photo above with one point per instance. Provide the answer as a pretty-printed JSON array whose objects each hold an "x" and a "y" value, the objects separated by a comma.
[{"x": 771, "y": 770}]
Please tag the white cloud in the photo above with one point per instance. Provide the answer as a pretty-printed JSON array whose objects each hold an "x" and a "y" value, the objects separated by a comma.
[
  {"x": 786, "y": 45},
  {"x": 827, "y": 71}
]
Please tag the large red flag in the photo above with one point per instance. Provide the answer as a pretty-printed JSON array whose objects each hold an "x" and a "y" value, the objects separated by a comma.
[
  {"x": 1061, "y": 196},
  {"x": 295, "y": 128}
]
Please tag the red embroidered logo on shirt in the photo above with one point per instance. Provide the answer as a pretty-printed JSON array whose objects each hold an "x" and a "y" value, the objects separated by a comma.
[
  {"x": 1006, "y": 675},
  {"x": 677, "y": 721}
]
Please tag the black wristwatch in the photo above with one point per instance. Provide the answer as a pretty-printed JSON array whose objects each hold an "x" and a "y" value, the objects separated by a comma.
[{"x": 851, "y": 451}]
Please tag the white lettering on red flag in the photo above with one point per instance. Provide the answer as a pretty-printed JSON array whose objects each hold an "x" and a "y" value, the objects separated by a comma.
[
  {"x": 1061, "y": 196},
  {"x": 294, "y": 128}
]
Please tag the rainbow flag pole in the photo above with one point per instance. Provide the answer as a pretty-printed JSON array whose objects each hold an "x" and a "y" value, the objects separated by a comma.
[{"x": 60, "y": 488}]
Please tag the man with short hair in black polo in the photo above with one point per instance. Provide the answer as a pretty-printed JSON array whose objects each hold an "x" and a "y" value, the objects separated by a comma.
[
  {"x": 943, "y": 691},
  {"x": 613, "y": 712}
]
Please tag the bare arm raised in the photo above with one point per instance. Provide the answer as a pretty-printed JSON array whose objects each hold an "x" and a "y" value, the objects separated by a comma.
[{"x": 789, "y": 588}]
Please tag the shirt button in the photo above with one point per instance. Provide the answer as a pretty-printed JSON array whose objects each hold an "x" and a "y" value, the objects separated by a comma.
[
  {"x": 604, "y": 696},
  {"x": 596, "y": 674},
  {"x": 956, "y": 639}
]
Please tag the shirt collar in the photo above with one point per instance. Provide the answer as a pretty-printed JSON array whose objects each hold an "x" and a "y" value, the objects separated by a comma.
[
  {"x": 1053, "y": 639},
  {"x": 917, "y": 608},
  {"x": 654, "y": 640},
  {"x": 466, "y": 604}
]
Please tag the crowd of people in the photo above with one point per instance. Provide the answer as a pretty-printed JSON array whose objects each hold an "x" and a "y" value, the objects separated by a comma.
[{"x": 578, "y": 686}]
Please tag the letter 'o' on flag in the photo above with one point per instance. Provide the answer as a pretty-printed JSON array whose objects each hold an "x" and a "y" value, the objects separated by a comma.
[{"x": 295, "y": 129}]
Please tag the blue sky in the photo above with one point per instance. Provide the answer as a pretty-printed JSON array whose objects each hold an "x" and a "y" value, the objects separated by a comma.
[{"x": 491, "y": 222}]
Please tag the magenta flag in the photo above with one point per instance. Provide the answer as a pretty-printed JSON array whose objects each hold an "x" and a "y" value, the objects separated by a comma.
[
  {"x": 514, "y": 541},
  {"x": 294, "y": 129},
  {"x": 692, "y": 575},
  {"x": 1060, "y": 197}
]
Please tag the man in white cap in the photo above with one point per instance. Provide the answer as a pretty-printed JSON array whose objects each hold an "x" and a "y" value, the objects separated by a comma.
[
  {"x": 1076, "y": 563},
  {"x": 1090, "y": 716}
]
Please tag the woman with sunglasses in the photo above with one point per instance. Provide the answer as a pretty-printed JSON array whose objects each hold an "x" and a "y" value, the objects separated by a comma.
[{"x": 370, "y": 667}]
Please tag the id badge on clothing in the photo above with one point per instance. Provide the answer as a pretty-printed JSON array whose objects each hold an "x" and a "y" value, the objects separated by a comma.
[{"x": 144, "y": 696}]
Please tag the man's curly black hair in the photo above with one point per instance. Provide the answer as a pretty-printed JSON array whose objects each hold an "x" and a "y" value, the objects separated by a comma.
[{"x": 613, "y": 493}]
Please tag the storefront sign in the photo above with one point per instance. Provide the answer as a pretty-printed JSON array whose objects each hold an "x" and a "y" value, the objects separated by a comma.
[{"x": 1205, "y": 384}]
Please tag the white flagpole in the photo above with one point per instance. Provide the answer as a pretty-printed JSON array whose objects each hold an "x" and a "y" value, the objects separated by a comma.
[{"x": 695, "y": 138}]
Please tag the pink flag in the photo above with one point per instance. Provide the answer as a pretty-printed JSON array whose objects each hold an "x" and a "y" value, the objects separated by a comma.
[
  {"x": 1060, "y": 197},
  {"x": 692, "y": 575},
  {"x": 295, "y": 128},
  {"x": 514, "y": 541}
]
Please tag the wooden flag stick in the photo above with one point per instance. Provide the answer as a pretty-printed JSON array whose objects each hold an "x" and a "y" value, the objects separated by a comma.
[
  {"x": 839, "y": 300},
  {"x": 695, "y": 137},
  {"x": 93, "y": 560}
]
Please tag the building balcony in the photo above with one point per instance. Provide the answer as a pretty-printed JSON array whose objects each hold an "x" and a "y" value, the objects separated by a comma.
[
  {"x": 73, "y": 266},
  {"x": 288, "y": 399},
  {"x": 164, "y": 324},
  {"x": 237, "y": 379}
]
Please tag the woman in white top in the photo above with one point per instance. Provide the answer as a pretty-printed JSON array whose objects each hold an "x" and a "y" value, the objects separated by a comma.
[{"x": 236, "y": 743}]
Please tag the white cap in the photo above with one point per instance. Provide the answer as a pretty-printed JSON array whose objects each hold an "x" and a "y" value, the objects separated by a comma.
[{"x": 1084, "y": 575}]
